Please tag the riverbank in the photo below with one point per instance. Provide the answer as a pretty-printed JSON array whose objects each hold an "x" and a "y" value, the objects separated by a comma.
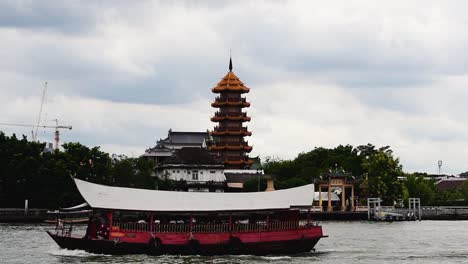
[{"x": 18, "y": 215}]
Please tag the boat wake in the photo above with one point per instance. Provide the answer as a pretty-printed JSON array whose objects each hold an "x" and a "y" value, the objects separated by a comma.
[
  {"x": 73, "y": 253},
  {"x": 275, "y": 257}
]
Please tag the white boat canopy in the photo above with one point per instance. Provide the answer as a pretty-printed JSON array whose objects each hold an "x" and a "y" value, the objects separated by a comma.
[{"x": 120, "y": 198}]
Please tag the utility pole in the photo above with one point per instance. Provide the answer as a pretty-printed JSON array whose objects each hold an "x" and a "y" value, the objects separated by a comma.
[{"x": 439, "y": 163}]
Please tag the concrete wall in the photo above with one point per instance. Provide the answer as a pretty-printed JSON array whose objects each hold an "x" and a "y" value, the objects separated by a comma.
[
  {"x": 445, "y": 213},
  {"x": 440, "y": 212}
]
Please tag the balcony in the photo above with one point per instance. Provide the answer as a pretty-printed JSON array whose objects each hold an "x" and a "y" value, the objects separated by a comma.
[
  {"x": 238, "y": 160},
  {"x": 231, "y": 117},
  {"x": 231, "y": 131},
  {"x": 243, "y": 146},
  {"x": 220, "y": 102}
]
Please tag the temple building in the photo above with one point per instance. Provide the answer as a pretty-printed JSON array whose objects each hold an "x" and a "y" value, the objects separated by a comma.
[
  {"x": 228, "y": 136},
  {"x": 213, "y": 161},
  {"x": 175, "y": 140},
  {"x": 194, "y": 169}
]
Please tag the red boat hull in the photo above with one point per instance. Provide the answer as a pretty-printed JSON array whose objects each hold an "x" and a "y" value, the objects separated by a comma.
[{"x": 260, "y": 243}]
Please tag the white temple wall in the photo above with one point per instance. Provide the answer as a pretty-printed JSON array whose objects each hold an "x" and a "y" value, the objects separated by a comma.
[{"x": 202, "y": 175}]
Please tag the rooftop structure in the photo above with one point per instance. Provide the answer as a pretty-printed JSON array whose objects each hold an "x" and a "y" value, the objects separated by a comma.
[
  {"x": 449, "y": 184},
  {"x": 175, "y": 140},
  {"x": 228, "y": 135}
]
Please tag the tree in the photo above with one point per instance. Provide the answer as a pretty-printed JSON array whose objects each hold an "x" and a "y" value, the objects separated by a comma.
[
  {"x": 131, "y": 172},
  {"x": 418, "y": 187},
  {"x": 45, "y": 179},
  {"x": 88, "y": 164},
  {"x": 382, "y": 171},
  {"x": 251, "y": 185}
]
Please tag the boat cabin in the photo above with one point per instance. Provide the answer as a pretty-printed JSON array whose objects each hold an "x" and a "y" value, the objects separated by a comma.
[{"x": 126, "y": 220}]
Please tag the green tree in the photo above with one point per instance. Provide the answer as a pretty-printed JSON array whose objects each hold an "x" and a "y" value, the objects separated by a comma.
[
  {"x": 131, "y": 172},
  {"x": 251, "y": 185},
  {"x": 382, "y": 171},
  {"x": 88, "y": 164},
  {"x": 418, "y": 187}
]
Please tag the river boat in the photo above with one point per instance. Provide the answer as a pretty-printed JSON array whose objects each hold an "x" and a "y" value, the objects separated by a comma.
[{"x": 131, "y": 221}]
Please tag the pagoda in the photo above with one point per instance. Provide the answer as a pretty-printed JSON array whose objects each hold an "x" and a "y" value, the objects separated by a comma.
[{"x": 228, "y": 135}]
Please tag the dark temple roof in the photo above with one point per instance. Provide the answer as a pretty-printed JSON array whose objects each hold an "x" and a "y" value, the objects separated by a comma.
[
  {"x": 179, "y": 137},
  {"x": 188, "y": 155}
]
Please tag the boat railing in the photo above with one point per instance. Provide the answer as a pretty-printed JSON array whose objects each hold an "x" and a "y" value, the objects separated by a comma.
[
  {"x": 214, "y": 228},
  {"x": 135, "y": 227},
  {"x": 171, "y": 228},
  {"x": 211, "y": 228},
  {"x": 238, "y": 228}
]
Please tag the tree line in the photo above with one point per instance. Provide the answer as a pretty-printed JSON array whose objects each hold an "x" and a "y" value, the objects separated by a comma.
[
  {"x": 45, "y": 178},
  {"x": 376, "y": 171}
]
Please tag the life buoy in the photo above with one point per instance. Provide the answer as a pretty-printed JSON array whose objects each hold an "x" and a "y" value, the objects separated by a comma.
[
  {"x": 194, "y": 246},
  {"x": 236, "y": 246},
  {"x": 155, "y": 246}
]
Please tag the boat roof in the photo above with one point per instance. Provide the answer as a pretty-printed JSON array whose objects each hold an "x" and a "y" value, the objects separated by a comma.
[{"x": 121, "y": 198}]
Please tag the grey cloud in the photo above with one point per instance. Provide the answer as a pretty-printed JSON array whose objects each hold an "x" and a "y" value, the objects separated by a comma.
[
  {"x": 63, "y": 16},
  {"x": 388, "y": 62}
]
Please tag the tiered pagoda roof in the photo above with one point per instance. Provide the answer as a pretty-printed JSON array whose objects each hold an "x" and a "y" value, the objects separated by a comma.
[
  {"x": 230, "y": 83},
  {"x": 229, "y": 134}
]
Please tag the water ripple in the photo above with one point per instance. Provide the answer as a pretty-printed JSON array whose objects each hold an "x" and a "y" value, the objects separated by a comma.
[{"x": 349, "y": 242}]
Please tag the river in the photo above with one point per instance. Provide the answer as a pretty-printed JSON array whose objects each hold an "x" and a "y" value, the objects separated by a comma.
[{"x": 348, "y": 242}]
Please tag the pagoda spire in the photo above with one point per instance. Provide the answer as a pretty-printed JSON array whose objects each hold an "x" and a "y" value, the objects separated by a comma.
[{"x": 230, "y": 63}]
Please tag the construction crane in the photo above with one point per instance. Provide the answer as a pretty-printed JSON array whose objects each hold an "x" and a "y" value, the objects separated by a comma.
[
  {"x": 34, "y": 133},
  {"x": 56, "y": 127}
]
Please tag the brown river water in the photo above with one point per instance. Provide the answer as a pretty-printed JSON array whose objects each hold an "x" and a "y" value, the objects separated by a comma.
[{"x": 348, "y": 242}]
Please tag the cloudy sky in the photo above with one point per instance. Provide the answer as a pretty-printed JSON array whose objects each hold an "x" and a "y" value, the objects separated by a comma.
[{"x": 321, "y": 73}]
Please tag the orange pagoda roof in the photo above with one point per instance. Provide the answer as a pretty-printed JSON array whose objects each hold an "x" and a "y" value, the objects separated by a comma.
[{"x": 230, "y": 83}]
